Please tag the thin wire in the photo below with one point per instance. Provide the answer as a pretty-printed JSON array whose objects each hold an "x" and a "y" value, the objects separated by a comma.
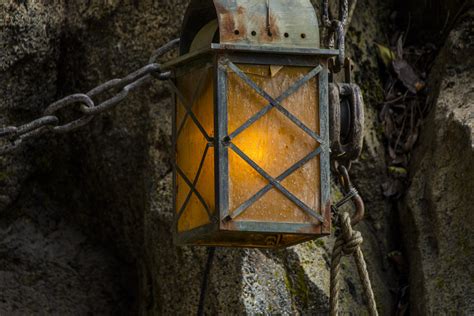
[{"x": 205, "y": 280}]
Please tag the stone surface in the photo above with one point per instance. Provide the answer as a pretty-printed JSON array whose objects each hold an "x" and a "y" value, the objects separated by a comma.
[
  {"x": 109, "y": 183},
  {"x": 48, "y": 266},
  {"x": 436, "y": 214}
]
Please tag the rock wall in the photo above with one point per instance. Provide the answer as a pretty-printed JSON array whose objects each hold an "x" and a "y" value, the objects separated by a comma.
[
  {"x": 436, "y": 214},
  {"x": 103, "y": 192}
]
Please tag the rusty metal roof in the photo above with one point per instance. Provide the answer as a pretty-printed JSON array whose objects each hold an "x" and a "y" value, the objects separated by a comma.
[{"x": 282, "y": 23}]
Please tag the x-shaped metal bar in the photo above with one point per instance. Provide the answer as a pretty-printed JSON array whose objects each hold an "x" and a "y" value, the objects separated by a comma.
[
  {"x": 193, "y": 186},
  {"x": 275, "y": 183},
  {"x": 188, "y": 106},
  {"x": 275, "y": 102},
  {"x": 239, "y": 210}
]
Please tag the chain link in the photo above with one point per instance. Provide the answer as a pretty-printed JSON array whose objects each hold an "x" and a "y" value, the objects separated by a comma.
[
  {"x": 11, "y": 137},
  {"x": 336, "y": 28}
]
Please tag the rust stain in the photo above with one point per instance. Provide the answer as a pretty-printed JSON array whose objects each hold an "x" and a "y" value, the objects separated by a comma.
[
  {"x": 261, "y": 22},
  {"x": 308, "y": 230},
  {"x": 274, "y": 27},
  {"x": 232, "y": 23},
  {"x": 227, "y": 225},
  {"x": 227, "y": 25},
  {"x": 326, "y": 213}
]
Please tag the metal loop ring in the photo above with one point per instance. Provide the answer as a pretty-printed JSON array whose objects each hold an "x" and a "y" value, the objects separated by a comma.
[
  {"x": 355, "y": 196},
  {"x": 336, "y": 27},
  {"x": 37, "y": 124},
  {"x": 126, "y": 84},
  {"x": 8, "y": 132},
  {"x": 160, "y": 52},
  {"x": 67, "y": 101},
  {"x": 340, "y": 36},
  {"x": 163, "y": 50}
]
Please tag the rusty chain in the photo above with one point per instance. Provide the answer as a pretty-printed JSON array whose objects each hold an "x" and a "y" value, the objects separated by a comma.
[
  {"x": 348, "y": 242},
  {"x": 12, "y": 137},
  {"x": 336, "y": 28}
]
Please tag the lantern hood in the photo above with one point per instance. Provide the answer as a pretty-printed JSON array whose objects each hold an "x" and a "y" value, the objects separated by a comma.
[{"x": 267, "y": 23}]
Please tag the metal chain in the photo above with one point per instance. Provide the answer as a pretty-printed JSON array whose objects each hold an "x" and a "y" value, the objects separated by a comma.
[
  {"x": 11, "y": 137},
  {"x": 336, "y": 28}
]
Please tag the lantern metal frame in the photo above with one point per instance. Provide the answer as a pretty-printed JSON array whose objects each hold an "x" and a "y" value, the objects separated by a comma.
[{"x": 223, "y": 58}]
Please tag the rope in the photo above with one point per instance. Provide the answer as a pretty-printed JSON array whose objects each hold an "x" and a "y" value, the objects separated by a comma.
[
  {"x": 207, "y": 269},
  {"x": 348, "y": 243}
]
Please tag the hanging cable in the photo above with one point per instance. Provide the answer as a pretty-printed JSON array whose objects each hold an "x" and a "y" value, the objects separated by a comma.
[{"x": 205, "y": 280}]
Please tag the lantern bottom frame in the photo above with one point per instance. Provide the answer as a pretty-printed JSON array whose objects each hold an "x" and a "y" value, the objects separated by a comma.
[{"x": 247, "y": 234}]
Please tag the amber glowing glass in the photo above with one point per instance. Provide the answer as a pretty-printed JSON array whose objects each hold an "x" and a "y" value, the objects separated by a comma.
[
  {"x": 274, "y": 143},
  {"x": 222, "y": 197},
  {"x": 198, "y": 90}
]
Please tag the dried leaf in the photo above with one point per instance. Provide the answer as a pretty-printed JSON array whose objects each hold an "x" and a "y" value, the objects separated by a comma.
[
  {"x": 411, "y": 140},
  {"x": 386, "y": 54},
  {"x": 389, "y": 126},
  {"x": 384, "y": 111},
  {"x": 400, "y": 47},
  {"x": 407, "y": 75},
  {"x": 398, "y": 171},
  {"x": 391, "y": 152}
]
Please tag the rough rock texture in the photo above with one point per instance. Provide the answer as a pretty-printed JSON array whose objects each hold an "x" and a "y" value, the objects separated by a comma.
[
  {"x": 50, "y": 267},
  {"x": 437, "y": 213},
  {"x": 104, "y": 231}
]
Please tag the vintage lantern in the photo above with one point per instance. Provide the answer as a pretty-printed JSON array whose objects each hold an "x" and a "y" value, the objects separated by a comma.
[{"x": 251, "y": 125}]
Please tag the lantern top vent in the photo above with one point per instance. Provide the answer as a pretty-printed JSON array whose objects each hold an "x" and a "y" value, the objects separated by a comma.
[{"x": 267, "y": 23}]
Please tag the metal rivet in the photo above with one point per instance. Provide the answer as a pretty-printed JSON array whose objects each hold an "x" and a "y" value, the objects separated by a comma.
[
  {"x": 254, "y": 33},
  {"x": 287, "y": 35},
  {"x": 303, "y": 35},
  {"x": 236, "y": 32},
  {"x": 270, "y": 33}
]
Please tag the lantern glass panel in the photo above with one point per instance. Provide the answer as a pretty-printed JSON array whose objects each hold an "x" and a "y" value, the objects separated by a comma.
[
  {"x": 194, "y": 156},
  {"x": 274, "y": 143}
]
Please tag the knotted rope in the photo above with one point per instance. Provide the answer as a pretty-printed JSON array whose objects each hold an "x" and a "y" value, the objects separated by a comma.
[{"x": 348, "y": 243}]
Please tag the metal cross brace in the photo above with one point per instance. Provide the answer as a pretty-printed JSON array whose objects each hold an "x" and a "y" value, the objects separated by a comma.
[
  {"x": 274, "y": 103},
  {"x": 193, "y": 186},
  {"x": 188, "y": 104}
]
